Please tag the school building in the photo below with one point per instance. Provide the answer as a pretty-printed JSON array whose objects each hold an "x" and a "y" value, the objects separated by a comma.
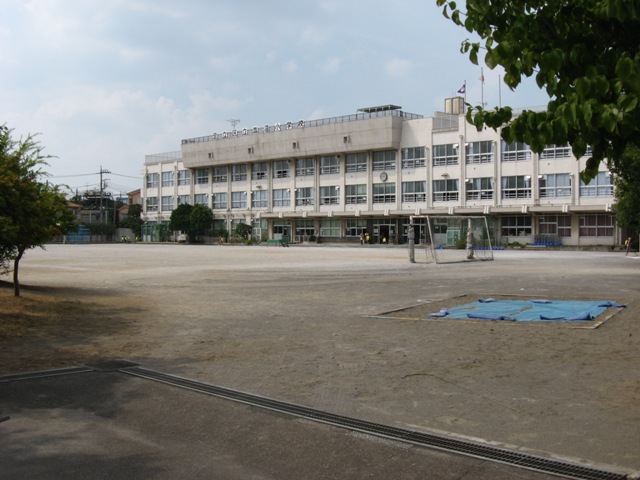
[{"x": 372, "y": 171}]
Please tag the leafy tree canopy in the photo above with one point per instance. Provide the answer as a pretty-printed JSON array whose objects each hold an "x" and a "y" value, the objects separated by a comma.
[
  {"x": 627, "y": 206},
  {"x": 133, "y": 220},
  {"x": 32, "y": 211},
  {"x": 243, "y": 230},
  {"x": 585, "y": 53},
  {"x": 201, "y": 219},
  {"x": 181, "y": 218}
]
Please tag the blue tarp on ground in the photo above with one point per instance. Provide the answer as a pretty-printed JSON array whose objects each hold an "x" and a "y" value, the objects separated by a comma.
[{"x": 534, "y": 310}]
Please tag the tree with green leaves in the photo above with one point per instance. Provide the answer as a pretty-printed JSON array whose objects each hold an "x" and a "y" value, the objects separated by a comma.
[
  {"x": 243, "y": 230},
  {"x": 181, "y": 220},
  {"x": 584, "y": 53},
  {"x": 133, "y": 220},
  {"x": 32, "y": 211},
  {"x": 195, "y": 220},
  {"x": 200, "y": 220},
  {"x": 627, "y": 207}
]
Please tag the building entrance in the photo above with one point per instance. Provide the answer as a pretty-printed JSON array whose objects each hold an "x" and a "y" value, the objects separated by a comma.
[{"x": 385, "y": 232}]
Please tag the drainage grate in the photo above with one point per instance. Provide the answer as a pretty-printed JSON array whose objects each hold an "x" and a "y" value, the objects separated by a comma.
[
  {"x": 485, "y": 452},
  {"x": 44, "y": 373},
  {"x": 111, "y": 365}
]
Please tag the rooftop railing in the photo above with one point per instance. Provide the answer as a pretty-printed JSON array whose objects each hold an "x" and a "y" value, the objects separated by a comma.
[{"x": 303, "y": 124}]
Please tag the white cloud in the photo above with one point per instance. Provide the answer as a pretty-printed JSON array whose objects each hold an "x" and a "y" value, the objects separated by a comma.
[
  {"x": 312, "y": 35},
  {"x": 331, "y": 65},
  {"x": 398, "y": 66},
  {"x": 290, "y": 66}
]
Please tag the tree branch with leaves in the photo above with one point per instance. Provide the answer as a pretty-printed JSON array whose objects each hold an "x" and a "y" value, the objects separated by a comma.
[
  {"x": 584, "y": 53},
  {"x": 32, "y": 211}
]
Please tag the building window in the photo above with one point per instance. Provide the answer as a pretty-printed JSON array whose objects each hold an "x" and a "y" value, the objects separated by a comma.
[
  {"x": 304, "y": 196},
  {"x": 152, "y": 180},
  {"x": 238, "y": 199},
  {"x": 555, "y": 151},
  {"x": 167, "y": 179},
  {"x": 445, "y": 190},
  {"x": 329, "y": 195},
  {"x": 384, "y": 160},
  {"x": 384, "y": 193},
  {"x": 305, "y": 167},
  {"x": 600, "y": 186},
  {"x": 260, "y": 171},
  {"x": 330, "y": 228},
  {"x": 281, "y": 169},
  {"x": 305, "y": 228},
  {"x": 281, "y": 197},
  {"x": 152, "y": 204},
  {"x": 559, "y": 225},
  {"x": 259, "y": 199},
  {"x": 239, "y": 173},
  {"x": 329, "y": 165},
  {"x": 597, "y": 225},
  {"x": 201, "y": 199},
  {"x": 356, "y": 162},
  {"x": 445, "y": 154},
  {"x": 219, "y": 200},
  {"x": 184, "y": 177},
  {"x": 555, "y": 185},
  {"x": 167, "y": 203},
  {"x": 479, "y": 188},
  {"x": 202, "y": 176},
  {"x": 479, "y": 152},
  {"x": 184, "y": 199},
  {"x": 515, "y": 152},
  {"x": 220, "y": 174},
  {"x": 414, "y": 191},
  {"x": 413, "y": 157},
  {"x": 516, "y": 226},
  {"x": 355, "y": 226},
  {"x": 517, "y": 186},
  {"x": 355, "y": 194}
]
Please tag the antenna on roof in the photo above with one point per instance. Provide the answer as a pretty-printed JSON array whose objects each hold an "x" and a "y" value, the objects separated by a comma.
[{"x": 234, "y": 122}]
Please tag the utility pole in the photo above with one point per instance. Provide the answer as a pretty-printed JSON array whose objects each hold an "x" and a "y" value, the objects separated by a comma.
[
  {"x": 234, "y": 122},
  {"x": 102, "y": 191}
]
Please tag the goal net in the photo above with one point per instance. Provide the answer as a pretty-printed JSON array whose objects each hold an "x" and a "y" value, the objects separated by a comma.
[{"x": 452, "y": 239}]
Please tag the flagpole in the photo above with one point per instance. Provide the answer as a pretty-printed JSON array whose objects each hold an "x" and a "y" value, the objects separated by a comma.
[
  {"x": 464, "y": 106},
  {"x": 481, "y": 88}
]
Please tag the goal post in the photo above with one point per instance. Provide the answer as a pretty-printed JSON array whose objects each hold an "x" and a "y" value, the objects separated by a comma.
[{"x": 453, "y": 238}]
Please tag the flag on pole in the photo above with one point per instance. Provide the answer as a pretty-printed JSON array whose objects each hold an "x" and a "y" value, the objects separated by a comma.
[{"x": 463, "y": 89}]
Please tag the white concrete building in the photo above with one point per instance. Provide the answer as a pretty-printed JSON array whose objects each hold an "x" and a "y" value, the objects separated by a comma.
[{"x": 371, "y": 171}]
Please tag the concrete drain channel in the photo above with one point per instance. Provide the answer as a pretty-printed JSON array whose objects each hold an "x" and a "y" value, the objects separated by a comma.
[
  {"x": 540, "y": 464},
  {"x": 439, "y": 442}
]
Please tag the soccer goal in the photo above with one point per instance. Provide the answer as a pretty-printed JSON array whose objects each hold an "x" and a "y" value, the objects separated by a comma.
[{"x": 453, "y": 238}]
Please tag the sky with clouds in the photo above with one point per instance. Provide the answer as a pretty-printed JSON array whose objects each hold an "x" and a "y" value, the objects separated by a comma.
[{"x": 106, "y": 82}]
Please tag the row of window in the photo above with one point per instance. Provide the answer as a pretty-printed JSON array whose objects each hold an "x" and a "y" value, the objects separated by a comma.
[
  {"x": 591, "y": 225},
  {"x": 444, "y": 190},
  {"x": 483, "y": 152},
  {"x": 414, "y": 157}
]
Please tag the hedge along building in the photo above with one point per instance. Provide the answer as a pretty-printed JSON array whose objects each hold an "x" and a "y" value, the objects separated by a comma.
[{"x": 337, "y": 177}]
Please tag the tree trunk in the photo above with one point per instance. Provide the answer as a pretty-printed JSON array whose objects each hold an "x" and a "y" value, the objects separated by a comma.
[{"x": 16, "y": 264}]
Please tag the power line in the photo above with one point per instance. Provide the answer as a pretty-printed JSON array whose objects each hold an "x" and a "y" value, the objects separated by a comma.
[{"x": 91, "y": 174}]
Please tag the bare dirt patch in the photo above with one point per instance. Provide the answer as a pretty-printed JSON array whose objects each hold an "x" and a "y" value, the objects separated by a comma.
[{"x": 51, "y": 328}]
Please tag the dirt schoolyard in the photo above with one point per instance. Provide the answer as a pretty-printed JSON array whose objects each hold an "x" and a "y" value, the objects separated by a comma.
[{"x": 345, "y": 329}]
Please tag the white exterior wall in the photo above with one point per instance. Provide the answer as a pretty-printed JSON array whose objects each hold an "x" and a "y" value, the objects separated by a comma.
[{"x": 358, "y": 133}]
